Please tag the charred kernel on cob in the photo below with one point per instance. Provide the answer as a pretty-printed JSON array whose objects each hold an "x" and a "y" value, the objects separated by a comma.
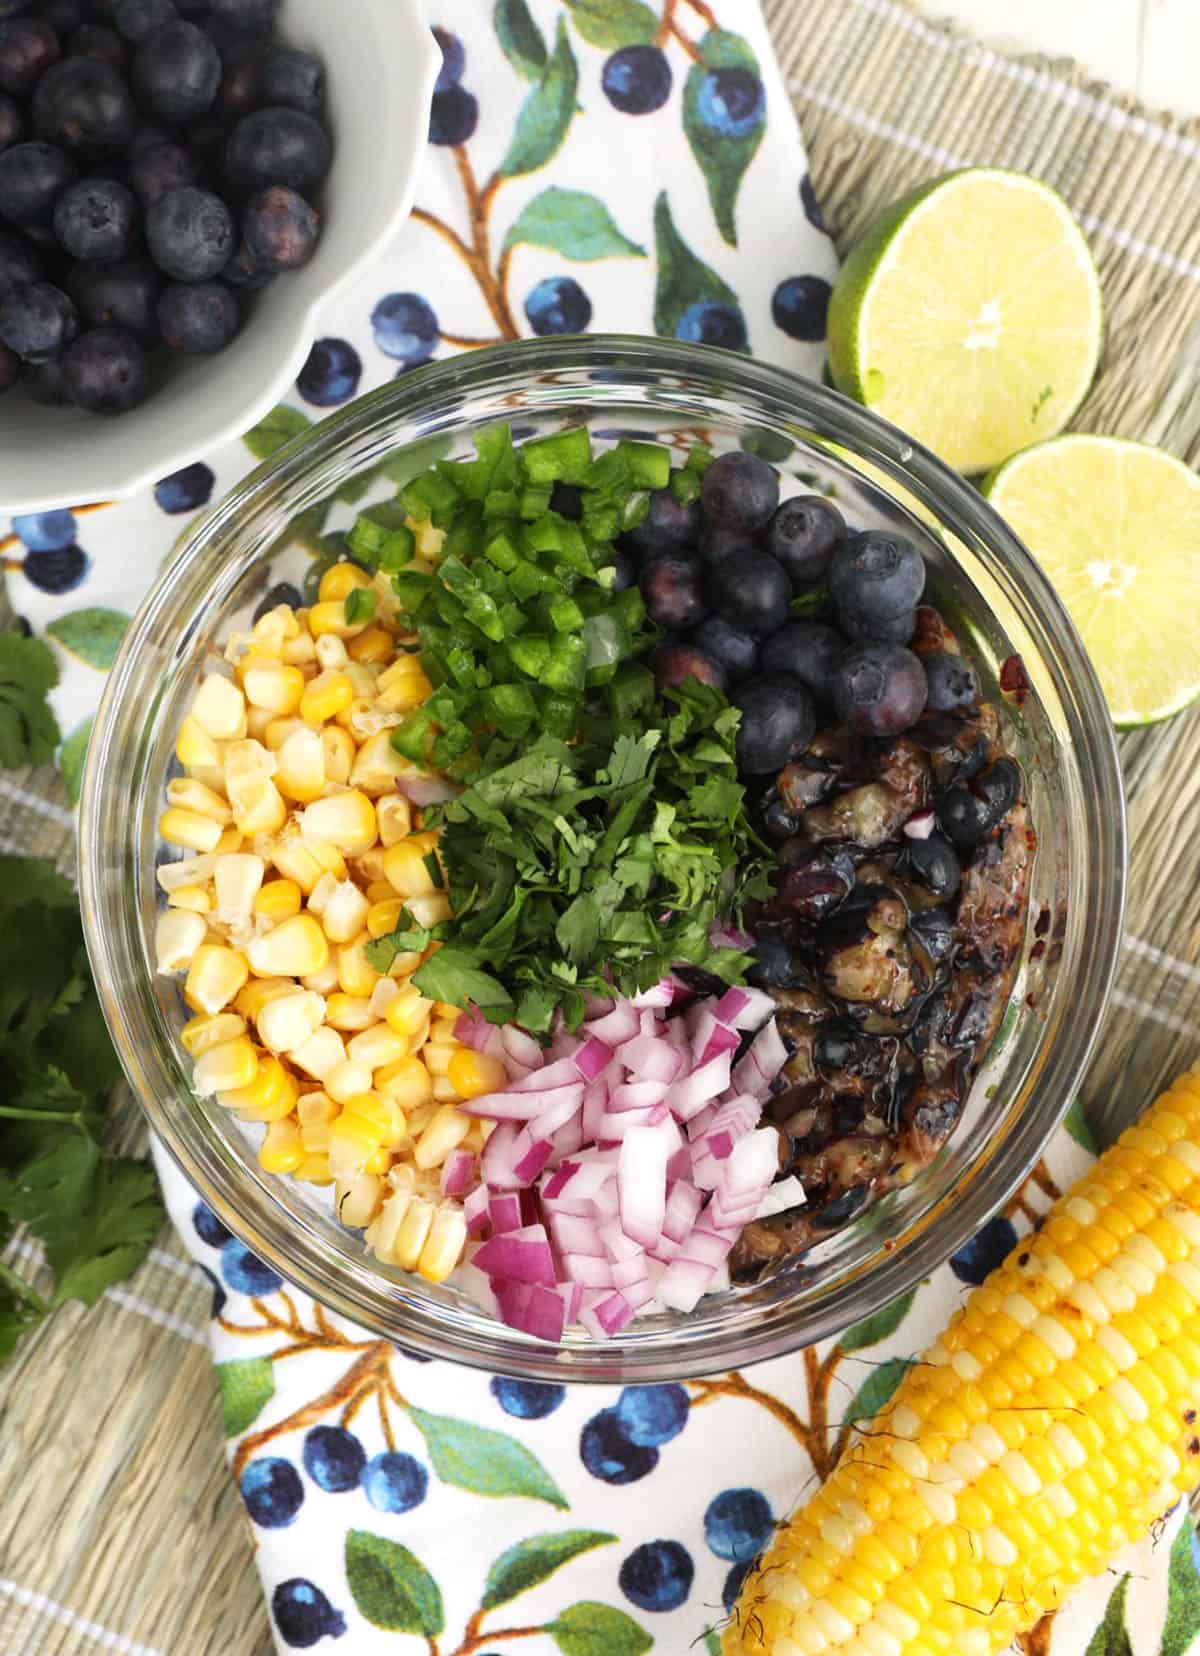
[{"x": 1052, "y": 1423}]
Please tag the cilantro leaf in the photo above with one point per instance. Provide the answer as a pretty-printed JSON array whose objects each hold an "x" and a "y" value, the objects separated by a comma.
[
  {"x": 29, "y": 732},
  {"x": 453, "y": 975},
  {"x": 115, "y": 1233}
]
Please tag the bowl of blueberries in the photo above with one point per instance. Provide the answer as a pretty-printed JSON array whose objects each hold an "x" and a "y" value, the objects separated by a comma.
[{"x": 182, "y": 184}]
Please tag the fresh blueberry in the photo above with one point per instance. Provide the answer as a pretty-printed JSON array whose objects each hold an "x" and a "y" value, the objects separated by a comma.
[
  {"x": 652, "y": 1415},
  {"x": 32, "y": 177},
  {"x": 304, "y": 1615},
  {"x": 667, "y": 526},
  {"x": 10, "y": 368},
  {"x": 245, "y": 1272},
  {"x": 96, "y": 219},
  {"x": 104, "y": 45},
  {"x": 292, "y": 79},
  {"x": 334, "y": 1458},
  {"x": 11, "y": 123},
  {"x": 395, "y": 1482},
  {"x": 731, "y": 101},
  {"x": 62, "y": 15},
  {"x": 657, "y": 1575},
  {"x": 526, "y": 1399},
  {"x": 987, "y": 1249},
  {"x": 405, "y": 327},
  {"x": 278, "y": 146},
  {"x": 812, "y": 207},
  {"x": 609, "y": 1454},
  {"x": 803, "y": 535},
  {"x": 38, "y": 321},
  {"x": 272, "y": 1491},
  {"x": 244, "y": 273},
  {"x": 28, "y": 46},
  {"x": 671, "y": 589},
  {"x": 56, "y": 572},
  {"x": 876, "y": 576},
  {"x": 891, "y": 629},
  {"x": 120, "y": 296},
  {"x": 778, "y": 722},
  {"x": 331, "y": 374},
  {"x": 558, "y": 305},
  {"x": 674, "y": 664},
  {"x": 219, "y": 1295},
  {"x": 625, "y": 571},
  {"x": 953, "y": 682},
  {"x": 809, "y": 651},
  {"x": 45, "y": 531},
  {"x": 733, "y": 1583},
  {"x": 751, "y": 592},
  {"x": 104, "y": 371},
  {"x": 190, "y": 234},
  {"x": 740, "y": 491},
  {"x": 186, "y": 490},
  {"x": 243, "y": 65},
  {"x": 249, "y": 16},
  {"x": 280, "y": 229},
  {"x": 637, "y": 79},
  {"x": 159, "y": 168},
  {"x": 738, "y": 1523},
  {"x": 879, "y": 689},
  {"x": 453, "y": 116},
  {"x": 282, "y": 593},
  {"x": 716, "y": 542},
  {"x": 19, "y": 262},
  {"x": 176, "y": 72},
  {"x": 800, "y": 306},
  {"x": 198, "y": 318},
  {"x": 736, "y": 651},
  {"x": 454, "y": 60},
  {"x": 138, "y": 19},
  {"x": 934, "y": 862},
  {"x": 83, "y": 104},
  {"x": 712, "y": 322}
]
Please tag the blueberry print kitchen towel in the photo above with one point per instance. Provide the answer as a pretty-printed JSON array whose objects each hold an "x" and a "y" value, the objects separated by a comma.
[{"x": 603, "y": 165}]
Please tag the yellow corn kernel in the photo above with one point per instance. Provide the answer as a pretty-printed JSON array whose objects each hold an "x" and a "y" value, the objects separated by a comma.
[
  {"x": 214, "y": 977},
  {"x": 226, "y": 1067},
  {"x": 281, "y": 1151},
  {"x": 414, "y": 1232},
  {"x": 445, "y": 1131},
  {"x": 373, "y": 647},
  {"x": 177, "y": 935},
  {"x": 324, "y": 696},
  {"x": 237, "y": 878},
  {"x": 325, "y": 982},
  {"x": 377, "y": 765},
  {"x": 195, "y": 748},
  {"x": 384, "y": 992},
  {"x": 345, "y": 912},
  {"x": 274, "y": 686},
  {"x": 383, "y": 917},
  {"x": 444, "y": 1022},
  {"x": 269, "y": 1097},
  {"x": 437, "y": 1056},
  {"x": 287, "y": 1021},
  {"x": 406, "y": 1082},
  {"x": 357, "y": 1201},
  {"x": 405, "y": 867},
  {"x": 362, "y": 679},
  {"x": 257, "y": 720},
  {"x": 294, "y": 948},
  {"x": 339, "y": 753},
  {"x": 331, "y": 652},
  {"x": 278, "y": 900},
  {"x": 231, "y": 840},
  {"x": 394, "y": 814},
  {"x": 316, "y": 1113},
  {"x": 194, "y": 898},
  {"x": 300, "y": 766},
  {"x": 368, "y": 871},
  {"x": 321, "y": 1054},
  {"x": 474, "y": 1073},
  {"x": 318, "y": 899},
  {"x": 300, "y": 651},
  {"x": 329, "y": 616},
  {"x": 444, "y": 1090},
  {"x": 330, "y": 859},
  {"x": 429, "y": 909},
  {"x": 189, "y": 795},
  {"x": 186, "y": 828},
  {"x": 187, "y": 871},
  {"x": 377, "y": 1047},
  {"x": 297, "y": 861},
  {"x": 340, "y": 580},
  {"x": 420, "y": 1117},
  {"x": 347, "y": 1080},
  {"x": 349, "y": 1013},
  {"x": 346, "y": 820},
  {"x": 356, "y": 975},
  {"x": 379, "y": 1161},
  {"x": 209, "y": 1030},
  {"x": 259, "y": 808},
  {"x": 444, "y": 1245},
  {"x": 314, "y": 1170},
  {"x": 219, "y": 708},
  {"x": 271, "y": 631},
  {"x": 276, "y": 732},
  {"x": 407, "y": 1011},
  {"x": 402, "y": 686}
]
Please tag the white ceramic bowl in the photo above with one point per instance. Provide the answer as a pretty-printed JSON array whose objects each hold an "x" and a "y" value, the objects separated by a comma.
[{"x": 381, "y": 62}]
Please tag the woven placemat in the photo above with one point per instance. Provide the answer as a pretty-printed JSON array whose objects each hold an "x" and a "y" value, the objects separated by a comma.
[{"x": 119, "y": 1527}]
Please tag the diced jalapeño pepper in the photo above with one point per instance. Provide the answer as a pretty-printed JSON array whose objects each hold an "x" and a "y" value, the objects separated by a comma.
[
  {"x": 563, "y": 457},
  {"x": 530, "y": 653},
  {"x": 649, "y": 465}
]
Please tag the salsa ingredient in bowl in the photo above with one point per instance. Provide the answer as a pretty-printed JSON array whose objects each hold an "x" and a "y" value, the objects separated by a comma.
[{"x": 471, "y": 840}]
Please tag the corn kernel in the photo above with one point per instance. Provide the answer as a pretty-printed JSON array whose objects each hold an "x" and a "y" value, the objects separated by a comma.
[
  {"x": 339, "y": 753},
  {"x": 394, "y": 814},
  {"x": 346, "y": 820},
  {"x": 314, "y": 1170},
  {"x": 330, "y": 859},
  {"x": 384, "y": 917},
  {"x": 384, "y": 992},
  {"x": 186, "y": 828},
  {"x": 444, "y": 1023},
  {"x": 474, "y": 1073},
  {"x": 231, "y": 840},
  {"x": 406, "y": 1082},
  {"x": 430, "y": 909},
  {"x": 278, "y": 900},
  {"x": 274, "y": 686},
  {"x": 237, "y": 879},
  {"x": 445, "y": 1132},
  {"x": 219, "y": 708},
  {"x": 325, "y": 696},
  {"x": 297, "y": 861},
  {"x": 377, "y": 765},
  {"x": 177, "y": 935},
  {"x": 332, "y": 653},
  {"x": 318, "y": 899},
  {"x": 404, "y": 866},
  {"x": 300, "y": 651},
  {"x": 194, "y": 898},
  {"x": 269, "y": 1097},
  {"x": 214, "y": 977},
  {"x": 294, "y": 948},
  {"x": 195, "y": 748},
  {"x": 444, "y": 1091},
  {"x": 281, "y": 1151},
  {"x": 403, "y": 686},
  {"x": 321, "y": 1054},
  {"x": 259, "y": 808},
  {"x": 345, "y": 912},
  {"x": 444, "y": 1244},
  {"x": 287, "y": 1021},
  {"x": 325, "y": 982},
  {"x": 347, "y": 1080},
  {"x": 437, "y": 1056},
  {"x": 272, "y": 630},
  {"x": 373, "y": 647},
  {"x": 226, "y": 1067},
  {"x": 413, "y": 1233},
  {"x": 190, "y": 795},
  {"x": 329, "y": 616},
  {"x": 349, "y": 1013},
  {"x": 407, "y": 1011},
  {"x": 300, "y": 769},
  {"x": 340, "y": 580},
  {"x": 377, "y": 1047},
  {"x": 276, "y": 733},
  {"x": 316, "y": 1113},
  {"x": 357, "y": 1201},
  {"x": 356, "y": 975},
  {"x": 368, "y": 871},
  {"x": 210, "y": 1029},
  {"x": 187, "y": 871},
  {"x": 258, "y": 991},
  {"x": 379, "y": 1161}
]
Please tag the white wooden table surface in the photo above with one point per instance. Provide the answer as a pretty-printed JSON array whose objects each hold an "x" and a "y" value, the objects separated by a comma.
[{"x": 1148, "y": 47}]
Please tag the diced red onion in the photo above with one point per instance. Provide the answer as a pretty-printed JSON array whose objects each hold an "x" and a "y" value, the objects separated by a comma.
[
  {"x": 711, "y": 1038},
  {"x": 726, "y": 1214},
  {"x": 638, "y": 1294},
  {"x": 507, "y": 1106},
  {"x": 519, "y": 1256},
  {"x": 559, "y": 1179},
  {"x": 744, "y": 1008},
  {"x": 707, "y": 1171},
  {"x": 628, "y": 1273},
  {"x": 682, "y": 1207},
  {"x": 662, "y": 994},
  {"x": 642, "y": 1184},
  {"x": 567, "y": 1139},
  {"x": 694, "y": 1091},
  {"x": 589, "y": 1270},
  {"x": 621, "y": 1024},
  {"x": 782, "y": 1195},
  {"x": 571, "y": 1294},
  {"x": 614, "y": 1313},
  {"x": 532, "y": 1152},
  {"x": 650, "y": 1058},
  {"x": 637, "y": 1095},
  {"x": 574, "y": 1235},
  {"x": 920, "y": 825},
  {"x": 724, "y": 936},
  {"x": 719, "y": 1143},
  {"x": 561, "y": 1073},
  {"x": 614, "y": 1125},
  {"x": 617, "y": 1243},
  {"x": 427, "y": 790},
  {"x": 472, "y": 1029},
  {"x": 475, "y": 1210},
  {"x": 521, "y": 1046},
  {"x": 680, "y": 1164},
  {"x": 457, "y": 1170},
  {"x": 754, "y": 1162},
  {"x": 592, "y": 1058},
  {"x": 504, "y": 1211},
  {"x": 683, "y": 1284},
  {"x": 706, "y": 1245},
  {"x": 498, "y": 1156}
]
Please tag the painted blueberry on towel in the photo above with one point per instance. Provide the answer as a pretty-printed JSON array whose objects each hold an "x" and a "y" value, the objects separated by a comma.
[
  {"x": 331, "y": 374},
  {"x": 45, "y": 531},
  {"x": 800, "y": 306},
  {"x": 405, "y": 327},
  {"x": 56, "y": 572},
  {"x": 731, "y": 102},
  {"x": 652, "y": 1415},
  {"x": 812, "y": 207},
  {"x": 272, "y": 1491},
  {"x": 303, "y": 1614},
  {"x": 977, "y": 1258},
  {"x": 709, "y": 322},
  {"x": 453, "y": 116},
  {"x": 526, "y": 1399},
  {"x": 245, "y": 1272},
  {"x": 558, "y": 305},
  {"x": 208, "y": 1227},
  {"x": 219, "y": 1296},
  {"x": 334, "y": 1458},
  {"x": 737, "y": 1523},
  {"x": 657, "y": 1575},
  {"x": 637, "y": 79},
  {"x": 395, "y": 1482},
  {"x": 609, "y": 1454},
  {"x": 454, "y": 59},
  {"x": 733, "y": 1582},
  {"x": 186, "y": 490}
]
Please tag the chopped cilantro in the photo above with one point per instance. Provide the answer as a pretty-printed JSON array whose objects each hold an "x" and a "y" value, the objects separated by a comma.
[{"x": 28, "y": 730}]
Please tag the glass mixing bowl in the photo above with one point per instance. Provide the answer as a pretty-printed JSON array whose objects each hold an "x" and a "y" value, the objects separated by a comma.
[{"x": 982, "y": 577}]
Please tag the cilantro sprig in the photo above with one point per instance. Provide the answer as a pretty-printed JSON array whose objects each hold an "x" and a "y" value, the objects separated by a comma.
[
  {"x": 94, "y": 1215},
  {"x": 29, "y": 732}
]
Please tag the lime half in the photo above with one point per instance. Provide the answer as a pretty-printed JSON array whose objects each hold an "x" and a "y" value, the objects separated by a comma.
[
  {"x": 970, "y": 316},
  {"x": 1116, "y": 527}
]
